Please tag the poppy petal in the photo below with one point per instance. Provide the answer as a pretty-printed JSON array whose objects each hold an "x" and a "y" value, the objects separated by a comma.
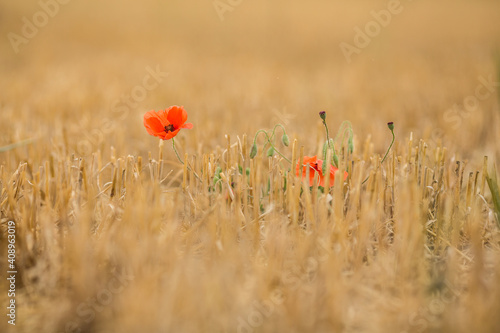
[
  {"x": 163, "y": 115},
  {"x": 161, "y": 135},
  {"x": 319, "y": 166},
  {"x": 312, "y": 174},
  {"x": 332, "y": 174},
  {"x": 176, "y": 116},
  {"x": 310, "y": 160},
  {"x": 170, "y": 135},
  {"x": 310, "y": 164},
  {"x": 153, "y": 123},
  {"x": 315, "y": 166},
  {"x": 187, "y": 125}
]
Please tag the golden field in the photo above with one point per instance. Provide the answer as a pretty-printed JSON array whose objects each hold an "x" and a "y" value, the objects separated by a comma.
[{"x": 114, "y": 234}]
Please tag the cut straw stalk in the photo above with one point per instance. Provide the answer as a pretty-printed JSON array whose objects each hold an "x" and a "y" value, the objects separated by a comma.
[{"x": 491, "y": 178}]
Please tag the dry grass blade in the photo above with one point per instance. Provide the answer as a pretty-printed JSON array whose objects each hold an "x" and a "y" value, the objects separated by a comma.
[
  {"x": 17, "y": 144},
  {"x": 491, "y": 179}
]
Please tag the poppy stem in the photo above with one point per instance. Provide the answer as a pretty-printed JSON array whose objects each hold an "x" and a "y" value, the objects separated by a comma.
[
  {"x": 182, "y": 162},
  {"x": 274, "y": 129},
  {"x": 391, "y": 128},
  {"x": 322, "y": 115},
  {"x": 175, "y": 151},
  {"x": 390, "y": 146},
  {"x": 270, "y": 143},
  {"x": 346, "y": 129},
  {"x": 346, "y": 126},
  {"x": 327, "y": 135}
]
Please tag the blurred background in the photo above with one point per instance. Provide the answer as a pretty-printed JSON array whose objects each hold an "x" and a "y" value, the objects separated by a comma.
[{"x": 68, "y": 70}]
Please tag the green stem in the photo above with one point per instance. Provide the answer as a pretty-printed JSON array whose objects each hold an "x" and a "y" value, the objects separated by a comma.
[
  {"x": 346, "y": 126},
  {"x": 270, "y": 143},
  {"x": 282, "y": 127},
  {"x": 386, "y": 153},
  {"x": 330, "y": 144},
  {"x": 328, "y": 136},
  {"x": 271, "y": 138},
  {"x": 182, "y": 162},
  {"x": 390, "y": 146},
  {"x": 175, "y": 151}
]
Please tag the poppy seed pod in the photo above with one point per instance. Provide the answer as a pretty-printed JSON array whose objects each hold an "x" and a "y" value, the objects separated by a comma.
[
  {"x": 322, "y": 115},
  {"x": 350, "y": 144},
  {"x": 253, "y": 151},
  {"x": 325, "y": 148},
  {"x": 285, "y": 140}
]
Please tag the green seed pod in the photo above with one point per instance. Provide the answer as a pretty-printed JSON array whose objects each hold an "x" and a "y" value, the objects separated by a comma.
[
  {"x": 335, "y": 159},
  {"x": 350, "y": 145},
  {"x": 322, "y": 115},
  {"x": 270, "y": 152},
  {"x": 325, "y": 150},
  {"x": 253, "y": 151},
  {"x": 285, "y": 140}
]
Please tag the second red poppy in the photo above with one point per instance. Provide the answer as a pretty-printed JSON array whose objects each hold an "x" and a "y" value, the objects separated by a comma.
[{"x": 315, "y": 166}]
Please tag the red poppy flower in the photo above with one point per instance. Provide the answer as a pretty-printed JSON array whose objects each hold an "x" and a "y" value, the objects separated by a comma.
[
  {"x": 165, "y": 124},
  {"x": 315, "y": 165}
]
